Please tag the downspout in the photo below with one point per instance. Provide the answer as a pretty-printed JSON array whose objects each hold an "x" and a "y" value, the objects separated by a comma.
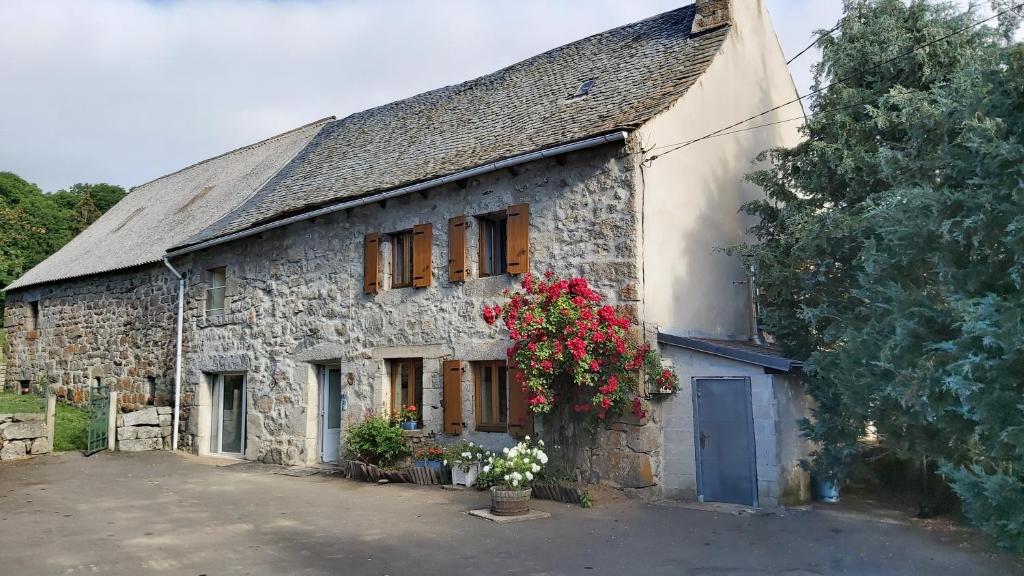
[
  {"x": 755, "y": 309},
  {"x": 177, "y": 359}
]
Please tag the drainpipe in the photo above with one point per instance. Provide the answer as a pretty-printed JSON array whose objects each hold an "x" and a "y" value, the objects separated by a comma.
[
  {"x": 757, "y": 336},
  {"x": 177, "y": 359}
]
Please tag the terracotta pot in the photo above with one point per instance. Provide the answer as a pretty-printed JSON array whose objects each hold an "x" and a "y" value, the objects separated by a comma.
[{"x": 506, "y": 502}]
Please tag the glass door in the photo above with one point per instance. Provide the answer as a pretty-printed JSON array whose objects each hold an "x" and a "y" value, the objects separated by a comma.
[
  {"x": 330, "y": 414},
  {"x": 228, "y": 414}
]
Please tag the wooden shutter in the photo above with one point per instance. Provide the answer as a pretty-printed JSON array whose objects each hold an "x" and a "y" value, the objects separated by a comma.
[
  {"x": 520, "y": 419},
  {"x": 457, "y": 249},
  {"x": 371, "y": 263},
  {"x": 422, "y": 255},
  {"x": 452, "y": 372},
  {"x": 518, "y": 239}
]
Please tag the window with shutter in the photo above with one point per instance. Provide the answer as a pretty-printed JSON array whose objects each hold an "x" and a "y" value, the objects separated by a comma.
[
  {"x": 520, "y": 419},
  {"x": 401, "y": 259},
  {"x": 422, "y": 255},
  {"x": 457, "y": 249},
  {"x": 491, "y": 387},
  {"x": 518, "y": 239},
  {"x": 407, "y": 385},
  {"x": 452, "y": 371},
  {"x": 493, "y": 244}
]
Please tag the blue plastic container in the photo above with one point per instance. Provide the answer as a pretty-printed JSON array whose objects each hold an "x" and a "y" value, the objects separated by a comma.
[
  {"x": 410, "y": 425},
  {"x": 828, "y": 490},
  {"x": 432, "y": 464}
]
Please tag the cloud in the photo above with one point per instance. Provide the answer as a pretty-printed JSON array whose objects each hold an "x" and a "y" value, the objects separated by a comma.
[{"x": 123, "y": 91}]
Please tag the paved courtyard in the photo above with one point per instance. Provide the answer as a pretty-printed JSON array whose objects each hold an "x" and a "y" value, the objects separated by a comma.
[{"x": 163, "y": 513}]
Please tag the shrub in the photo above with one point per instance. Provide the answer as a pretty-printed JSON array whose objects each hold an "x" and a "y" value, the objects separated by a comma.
[
  {"x": 463, "y": 454},
  {"x": 514, "y": 468},
  {"x": 994, "y": 502},
  {"x": 571, "y": 347},
  {"x": 376, "y": 441}
]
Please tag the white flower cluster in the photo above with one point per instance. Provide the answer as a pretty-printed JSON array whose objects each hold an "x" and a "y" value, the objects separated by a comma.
[{"x": 519, "y": 465}]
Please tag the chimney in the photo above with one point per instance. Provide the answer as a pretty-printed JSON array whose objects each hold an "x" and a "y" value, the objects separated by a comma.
[{"x": 711, "y": 14}]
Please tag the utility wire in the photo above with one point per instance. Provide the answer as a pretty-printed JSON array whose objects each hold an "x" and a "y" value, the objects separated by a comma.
[
  {"x": 816, "y": 40},
  {"x": 843, "y": 80}
]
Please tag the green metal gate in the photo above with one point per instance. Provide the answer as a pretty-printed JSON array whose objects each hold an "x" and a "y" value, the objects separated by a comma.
[{"x": 99, "y": 410}]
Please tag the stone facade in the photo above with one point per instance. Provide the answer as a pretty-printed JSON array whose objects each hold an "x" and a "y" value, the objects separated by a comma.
[
  {"x": 116, "y": 329},
  {"x": 23, "y": 435},
  {"x": 295, "y": 301}
]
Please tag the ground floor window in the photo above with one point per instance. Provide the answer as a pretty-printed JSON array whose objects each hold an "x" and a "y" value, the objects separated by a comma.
[
  {"x": 491, "y": 396},
  {"x": 227, "y": 431},
  {"x": 407, "y": 384}
]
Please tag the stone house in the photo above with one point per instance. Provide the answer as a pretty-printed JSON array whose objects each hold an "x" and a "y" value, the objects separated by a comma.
[{"x": 341, "y": 267}]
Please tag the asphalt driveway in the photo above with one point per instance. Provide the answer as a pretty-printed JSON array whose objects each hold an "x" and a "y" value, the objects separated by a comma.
[{"x": 163, "y": 513}]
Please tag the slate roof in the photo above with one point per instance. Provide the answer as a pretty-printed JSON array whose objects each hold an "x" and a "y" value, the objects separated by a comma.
[
  {"x": 159, "y": 214},
  {"x": 638, "y": 70},
  {"x": 739, "y": 350}
]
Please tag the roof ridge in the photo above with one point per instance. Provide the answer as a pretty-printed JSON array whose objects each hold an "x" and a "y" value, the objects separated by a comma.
[
  {"x": 325, "y": 120},
  {"x": 483, "y": 78}
]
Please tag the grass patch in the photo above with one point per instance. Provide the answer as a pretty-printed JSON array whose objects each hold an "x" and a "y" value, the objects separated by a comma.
[
  {"x": 12, "y": 402},
  {"x": 70, "y": 422},
  {"x": 71, "y": 428}
]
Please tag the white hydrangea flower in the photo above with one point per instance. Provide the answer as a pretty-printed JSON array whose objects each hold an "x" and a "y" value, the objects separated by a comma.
[
  {"x": 467, "y": 455},
  {"x": 507, "y": 477},
  {"x": 471, "y": 444},
  {"x": 529, "y": 475},
  {"x": 504, "y": 450},
  {"x": 487, "y": 468},
  {"x": 541, "y": 442},
  {"x": 515, "y": 483},
  {"x": 527, "y": 438},
  {"x": 535, "y": 468},
  {"x": 543, "y": 458}
]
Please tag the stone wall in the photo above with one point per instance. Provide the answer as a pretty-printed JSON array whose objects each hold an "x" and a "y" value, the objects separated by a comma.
[
  {"x": 145, "y": 429},
  {"x": 295, "y": 298},
  {"x": 23, "y": 435},
  {"x": 116, "y": 329}
]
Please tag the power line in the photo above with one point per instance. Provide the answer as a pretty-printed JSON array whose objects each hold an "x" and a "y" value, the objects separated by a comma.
[
  {"x": 816, "y": 40},
  {"x": 837, "y": 82}
]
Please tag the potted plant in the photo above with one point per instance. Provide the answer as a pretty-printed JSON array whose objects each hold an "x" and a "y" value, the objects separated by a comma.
[
  {"x": 407, "y": 416},
  {"x": 429, "y": 457},
  {"x": 510, "y": 476},
  {"x": 464, "y": 459}
]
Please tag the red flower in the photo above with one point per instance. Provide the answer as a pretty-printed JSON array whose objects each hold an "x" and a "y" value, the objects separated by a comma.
[
  {"x": 491, "y": 313},
  {"x": 594, "y": 366},
  {"x": 546, "y": 365},
  {"x": 611, "y": 386},
  {"x": 606, "y": 403},
  {"x": 578, "y": 347},
  {"x": 537, "y": 399}
]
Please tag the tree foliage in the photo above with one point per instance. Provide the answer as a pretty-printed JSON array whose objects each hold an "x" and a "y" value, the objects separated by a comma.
[
  {"x": 891, "y": 253},
  {"x": 34, "y": 224}
]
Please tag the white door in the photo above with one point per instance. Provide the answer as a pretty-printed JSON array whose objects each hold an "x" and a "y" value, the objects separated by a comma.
[
  {"x": 228, "y": 424},
  {"x": 330, "y": 414}
]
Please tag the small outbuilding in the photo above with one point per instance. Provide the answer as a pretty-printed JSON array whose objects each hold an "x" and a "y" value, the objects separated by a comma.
[{"x": 732, "y": 432}]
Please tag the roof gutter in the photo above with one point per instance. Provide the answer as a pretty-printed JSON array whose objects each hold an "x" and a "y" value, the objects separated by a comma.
[{"x": 483, "y": 169}]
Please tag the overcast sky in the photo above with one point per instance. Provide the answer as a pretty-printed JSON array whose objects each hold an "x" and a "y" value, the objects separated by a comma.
[{"x": 123, "y": 91}]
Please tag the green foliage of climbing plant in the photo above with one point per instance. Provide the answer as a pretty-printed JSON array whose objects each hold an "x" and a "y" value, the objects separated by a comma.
[{"x": 891, "y": 250}]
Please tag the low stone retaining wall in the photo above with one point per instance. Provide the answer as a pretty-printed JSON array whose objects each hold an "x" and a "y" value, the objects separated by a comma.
[
  {"x": 146, "y": 429},
  {"x": 23, "y": 435}
]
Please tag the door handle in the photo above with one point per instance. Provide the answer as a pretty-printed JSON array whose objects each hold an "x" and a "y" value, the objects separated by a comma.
[{"x": 704, "y": 439}]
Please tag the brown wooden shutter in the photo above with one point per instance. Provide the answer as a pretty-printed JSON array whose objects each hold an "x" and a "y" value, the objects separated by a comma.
[
  {"x": 518, "y": 239},
  {"x": 457, "y": 249},
  {"x": 422, "y": 255},
  {"x": 371, "y": 263},
  {"x": 520, "y": 419},
  {"x": 452, "y": 371}
]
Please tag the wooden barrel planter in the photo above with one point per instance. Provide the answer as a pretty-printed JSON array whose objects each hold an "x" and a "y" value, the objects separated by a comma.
[{"x": 509, "y": 502}]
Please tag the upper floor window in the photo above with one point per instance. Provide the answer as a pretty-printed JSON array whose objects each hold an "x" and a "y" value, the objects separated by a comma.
[
  {"x": 493, "y": 244},
  {"x": 401, "y": 259},
  {"x": 216, "y": 286}
]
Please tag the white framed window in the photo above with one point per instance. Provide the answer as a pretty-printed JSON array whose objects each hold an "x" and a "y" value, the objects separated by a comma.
[{"x": 216, "y": 286}]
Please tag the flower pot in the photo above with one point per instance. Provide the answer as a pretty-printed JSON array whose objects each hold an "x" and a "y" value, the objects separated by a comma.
[
  {"x": 410, "y": 425},
  {"x": 465, "y": 474},
  {"x": 432, "y": 464},
  {"x": 506, "y": 502}
]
